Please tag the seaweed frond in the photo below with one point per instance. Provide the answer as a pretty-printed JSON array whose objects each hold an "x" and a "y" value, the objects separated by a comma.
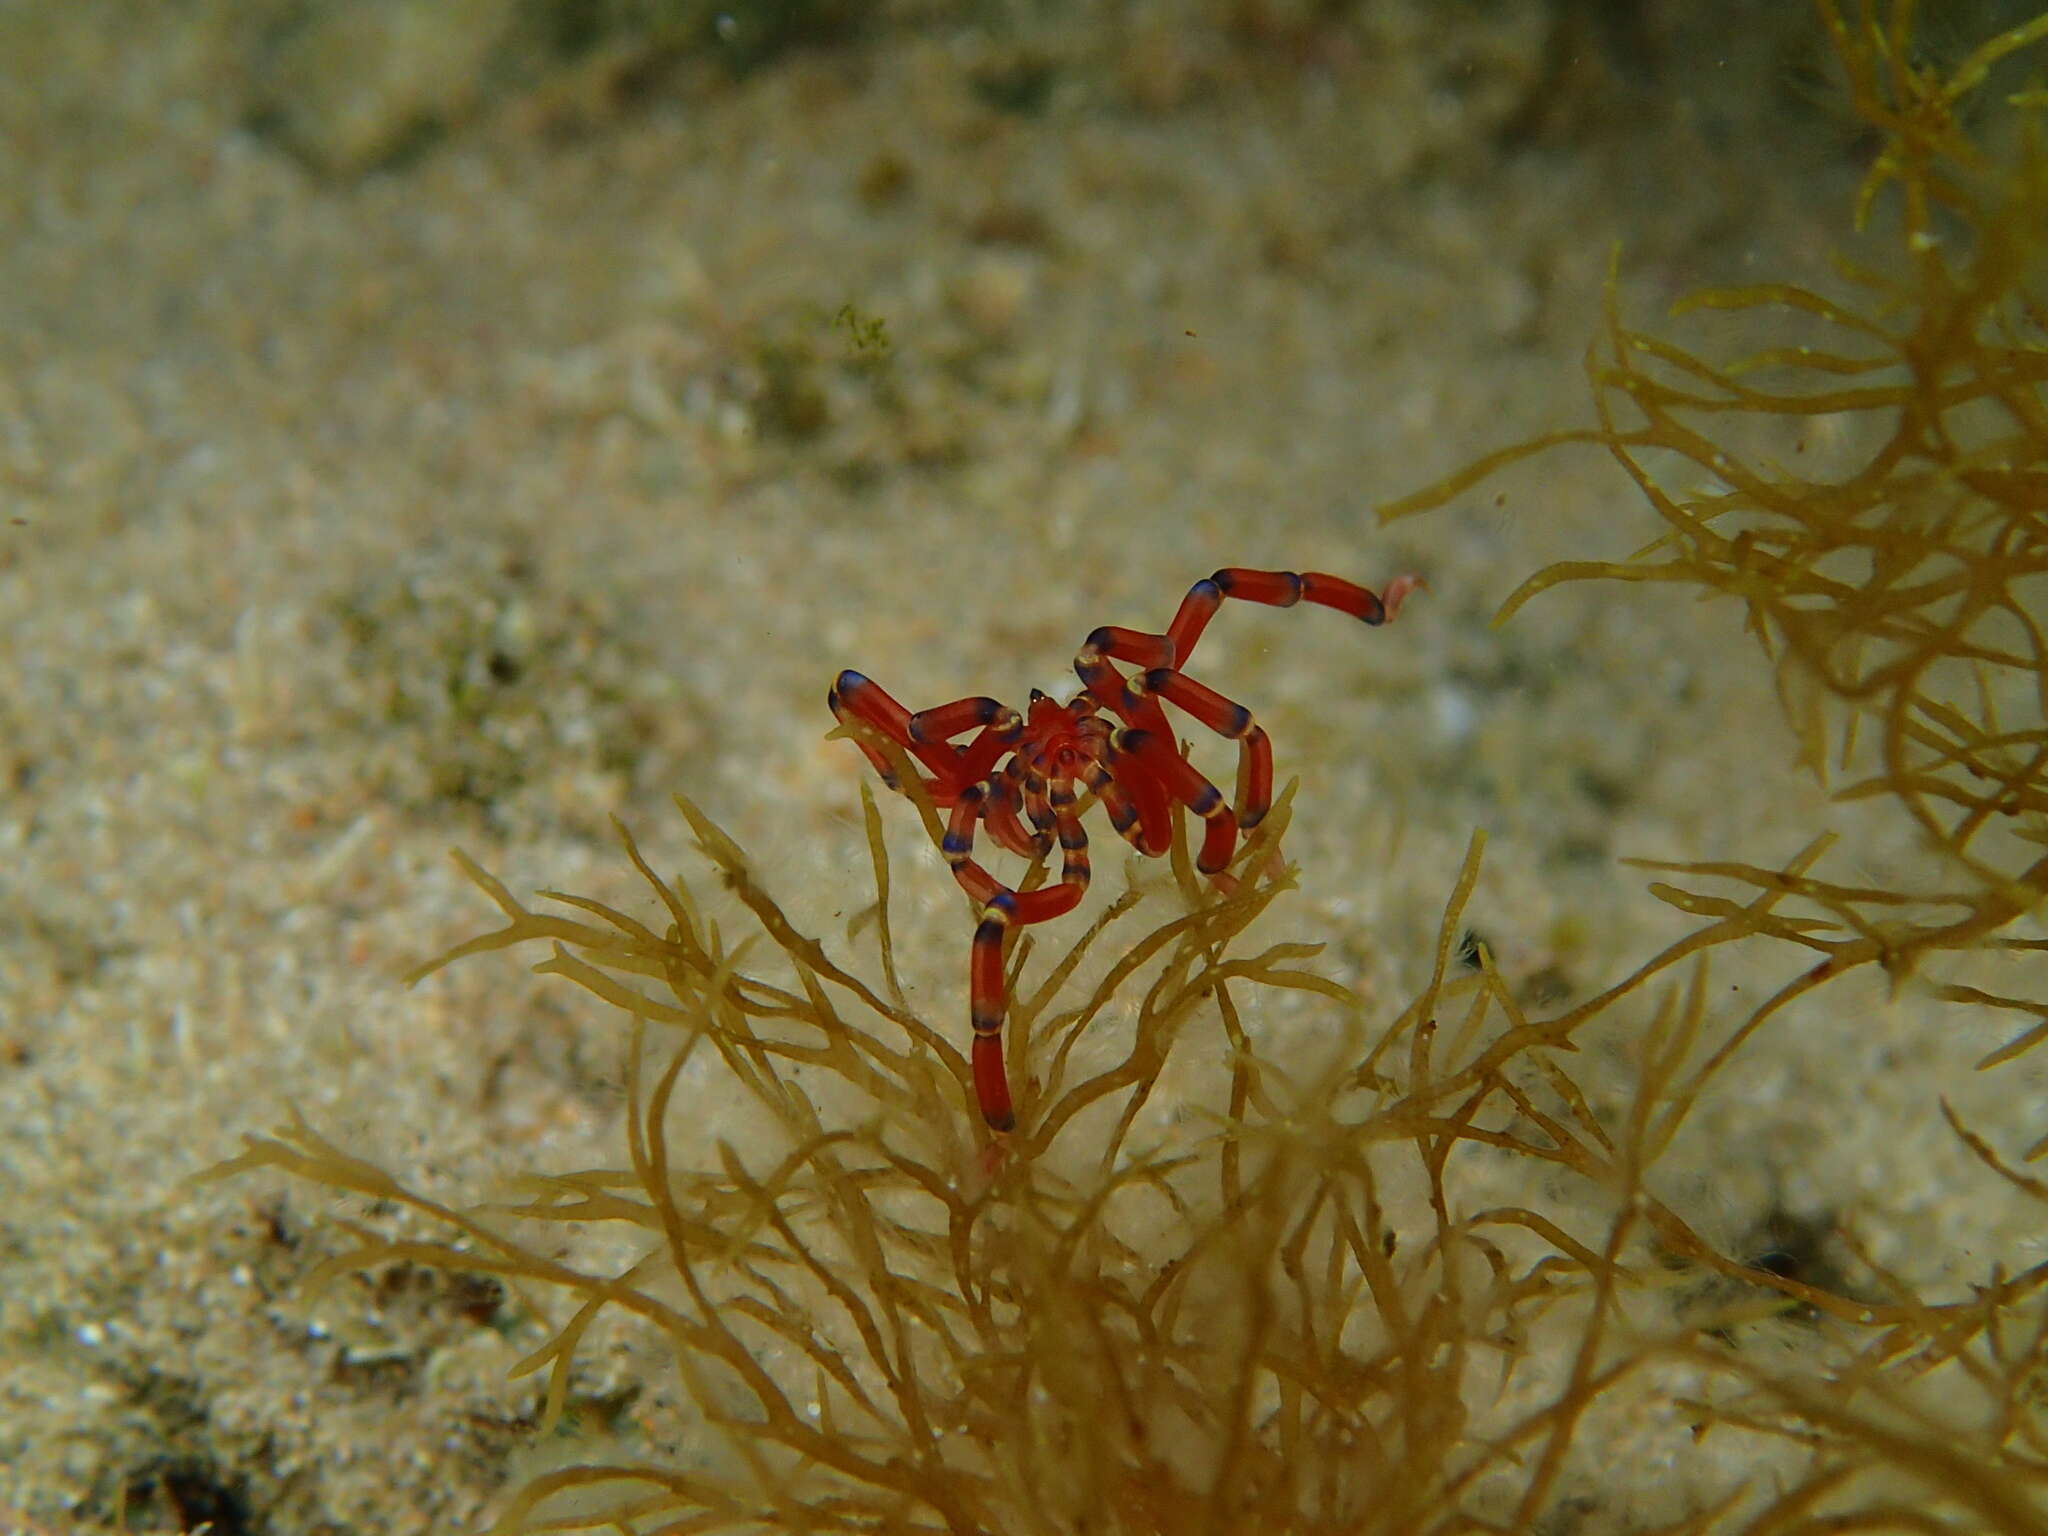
[
  {"x": 1273, "y": 1309},
  {"x": 1871, "y": 486},
  {"x": 1897, "y": 577}
]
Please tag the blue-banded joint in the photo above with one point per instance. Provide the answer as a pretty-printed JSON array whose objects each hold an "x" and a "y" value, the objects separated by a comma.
[
  {"x": 1227, "y": 583},
  {"x": 1139, "y": 687},
  {"x": 1037, "y": 800},
  {"x": 986, "y": 1013},
  {"x": 983, "y": 712},
  {"x": 1236, "y": 723},
  {"x": 958, "y": 841},
  {"x": 838, "y": 698}
]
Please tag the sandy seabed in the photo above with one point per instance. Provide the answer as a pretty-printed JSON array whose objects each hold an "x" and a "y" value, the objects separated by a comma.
[{"x": 355, "y": 511}]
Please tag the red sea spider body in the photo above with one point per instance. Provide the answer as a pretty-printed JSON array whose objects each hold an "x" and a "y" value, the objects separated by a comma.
[{"x": 1023, "y": 775}]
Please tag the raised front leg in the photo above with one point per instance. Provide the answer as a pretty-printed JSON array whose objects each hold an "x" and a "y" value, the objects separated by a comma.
[{"x": 1277, "y": 589}]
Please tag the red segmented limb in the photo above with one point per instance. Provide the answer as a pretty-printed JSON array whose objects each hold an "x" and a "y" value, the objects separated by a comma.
[
  {"x": 1001, "y": 908},
  {"x": 868, "y": 701},
  {"x": 1139, "y": 647},
  {"x": 1000, "y": 816},
  {"x": 842, "y": 710},
  {"x": 984, "y": 889},
  {"x": 1123, "y": 816},
  {"x": 985, "y": 991},
  {"x": 999, "y": 725},
  {"x": 1109, "y": 687},
  {"x": 1183, "y": 782},
  {"x": 1279, "y": 589},
  {"x": 942, "y": 722},
  {"x": 1227, "y": 718},
  {"x": 1037, "y": 805},
  {"x": 980, "y": 754},
  {"x": 1148, "y": 797}
]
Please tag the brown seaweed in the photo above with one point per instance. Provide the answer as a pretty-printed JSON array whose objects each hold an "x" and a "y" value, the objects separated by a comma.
[
  {"x": 1272, "y": 1319},
  {"x": 1899, "y": 598}
]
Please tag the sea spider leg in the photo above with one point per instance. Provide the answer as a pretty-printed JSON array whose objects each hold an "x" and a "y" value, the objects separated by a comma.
[
  {"x": 1182, "y": 781},
  {"x": 1037, "y": 804},
  {"x": 999, "y": 724},
  {"x": 1229, "y": 719},
  {"x": 866, "y": 700},
  {"x": 1123, "y": 816},
  {"x": 1109, "y": 688},
  {"x": 1005, "y": 797},
  {"x": 1003, "y": 908},
  {"x": 1145, "y": 793},
  {"x": 1276, "y": 589}
]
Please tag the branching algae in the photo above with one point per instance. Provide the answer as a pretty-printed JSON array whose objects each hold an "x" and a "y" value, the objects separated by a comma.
[
  {"x": 1901, "y": 601},
  {"x": 1897, "y": 584},
  {"x": 1298, "y": 1314},
  {"x": 1274, "y": 1325}
]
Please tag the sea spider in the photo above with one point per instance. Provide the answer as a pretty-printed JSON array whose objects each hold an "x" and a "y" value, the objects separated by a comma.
[{"x": 1030, "y": 763}]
